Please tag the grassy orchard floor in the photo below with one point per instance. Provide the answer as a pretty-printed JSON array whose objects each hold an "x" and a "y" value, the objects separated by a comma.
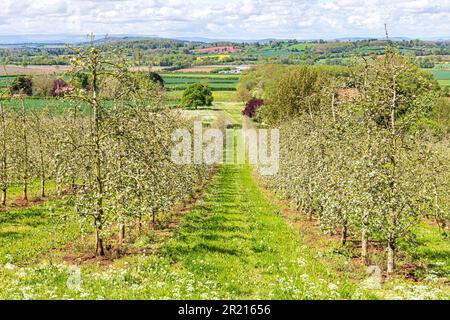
[
  {"x": 235, "y": 243},
  {"x": 27, "y": 233}
]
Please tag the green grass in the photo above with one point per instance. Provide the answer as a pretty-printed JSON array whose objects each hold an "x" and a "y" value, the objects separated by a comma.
[
  {"x": 233, "y": 245},
  {"x": 224, "y": 96},
  {"x": 271, "y": 53},
  {"x": 217, "y": 82},
  {"x": 173, "y": 97},
  {"x": 212, "y": 86},
  {"x": 6, "y": 81},
  {"x": 199, "y": 76},
  {"x": 15, "y": 190},
  {"x": 27, "y": 233},
  {"x": 444, "y": 83},
  {"x": 441, "y": 74},
  {"x": 433, "y": 250},
  {"x": 232, "y": 110},
  {"x": 56, "y": 106}
]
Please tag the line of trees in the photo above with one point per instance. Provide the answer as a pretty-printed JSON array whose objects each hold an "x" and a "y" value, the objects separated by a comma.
[
  {"x": 109, "y": 150},
  {"x": 351, "y": 158}
]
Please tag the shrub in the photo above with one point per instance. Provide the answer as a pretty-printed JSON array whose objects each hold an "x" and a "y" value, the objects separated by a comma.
[
  {"x": 43, "y": 86},
  {"x": 156, "y": 78},
  {"x": 22, "y": 85},
  {"x": 251, "y": 107}
]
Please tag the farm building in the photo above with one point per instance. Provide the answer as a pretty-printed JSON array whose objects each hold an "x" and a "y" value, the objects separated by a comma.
[{"x": 218, "y": 50}]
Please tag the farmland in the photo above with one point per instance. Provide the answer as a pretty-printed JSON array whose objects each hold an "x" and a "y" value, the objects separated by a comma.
[
  {"x": 219, "y": 82},
  {"x": 97, "y": 208},
  {"x": 443, "y": 76}
]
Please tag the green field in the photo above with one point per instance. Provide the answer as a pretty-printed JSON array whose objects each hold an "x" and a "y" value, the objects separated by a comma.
[
  {"x": 5, "y": 81},
  {"x": 217, "y": 82},
  {"x": 441, "y": 74},
  {"x": 55, "y": 106}
]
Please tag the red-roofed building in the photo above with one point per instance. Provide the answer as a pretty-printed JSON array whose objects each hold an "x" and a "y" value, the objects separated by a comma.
[{"x": 218, "y": 50}]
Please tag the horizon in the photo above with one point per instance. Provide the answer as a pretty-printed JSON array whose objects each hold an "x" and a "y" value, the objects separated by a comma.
[{"x": 24, "y": 39}]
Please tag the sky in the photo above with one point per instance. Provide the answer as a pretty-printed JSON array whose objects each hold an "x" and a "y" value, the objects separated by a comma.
[{"x": 228, "y": 19}]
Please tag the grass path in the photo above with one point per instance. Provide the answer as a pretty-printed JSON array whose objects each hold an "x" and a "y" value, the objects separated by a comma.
[{"x": 238, "y": 240}]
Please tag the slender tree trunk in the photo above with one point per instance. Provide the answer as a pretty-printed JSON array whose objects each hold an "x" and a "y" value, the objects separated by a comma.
[
  {"x": 41, "y": 155},
  {"x": 4, "y": 156},
  {"x": 153, "y": 221},
  {"x": 139, "y": 223},
  {"x": 25, "y": 187},
  {"x": 297, "y": 203},
  {"x": 121, "y": 236},
  {"x": 100, "y": 250},
  {"x": 4, "y": 191},
  {"x": 391, "y": 257},
  {"x": 98, "y": 165},
  {"x": 344, "y": 234},
  {"x": 364, "y": 247},
  {"x": 43, "y": 186},
  {"x": 25, "y": 155},
  {"x": 309, "y": 214}
]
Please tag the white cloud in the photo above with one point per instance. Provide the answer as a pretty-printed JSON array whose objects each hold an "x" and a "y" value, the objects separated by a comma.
[{"x": 228, "y": 18}]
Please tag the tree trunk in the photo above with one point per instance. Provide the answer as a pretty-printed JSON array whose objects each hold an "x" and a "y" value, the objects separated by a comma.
[
  {"x": 309, "y": 214},
  {"x": 3, "y": 194},
  {"x": 391, "y": 258},
  {"x": 153, "y": 221},
  {"x": 139, "y": 223},
  {"x": 364, "y": 247},
  {"x": 25, "y": 153},
  {"x": 25, "y": 187},
  {"x": 100, "y": 250},
  {"x": 5, "y": 156},
  {"x": 344, "y": 234},
  {"x": 98, "y": 164},
  {"x": 121, "y": 237},
  {"x": 43, "y": 186}
]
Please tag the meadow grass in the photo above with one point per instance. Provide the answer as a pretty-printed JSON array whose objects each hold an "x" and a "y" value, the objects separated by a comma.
[
  {"x": 52, "y": 105},
  {"x": 199, "y": 76},
  {"x": 444, "y": 83},
  {"x": 234, "y": 244},
  {"x": 217, "y": 82},
  {"x": 441, "y": 74},
  {"x": 232, "y": 109},
  {"x": 174, "y": 96},
  {"x": 15, "y": 190},
  {"x": 28, "y": 232},
  {"x": 431, "y": 249}
]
